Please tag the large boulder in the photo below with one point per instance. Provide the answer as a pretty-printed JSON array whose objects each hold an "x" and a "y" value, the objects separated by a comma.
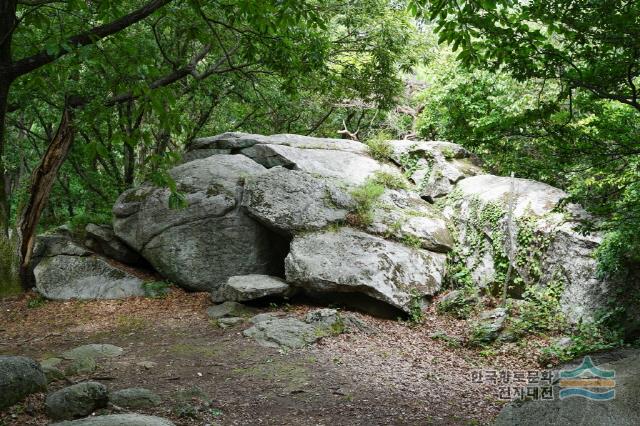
[
  {"x": 352, "y": 261},
  {"x": 200, "y": 246},
  {"x": 75, "y": 401},
  {"x": 291, "y": 201},
  {"x": 621, "y": 410},
  {"x": 64, "y": 277},
  {"x": 545, "y": 247},
  {"x": 19, "y": 377}
]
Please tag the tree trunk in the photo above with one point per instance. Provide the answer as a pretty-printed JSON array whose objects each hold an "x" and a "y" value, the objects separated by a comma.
[
  {"x": 42, "y": 182},
  {"x": 7, "y": 26},
  {"x": 129, "y": 165},
  {"x": 4, "y": 190}
]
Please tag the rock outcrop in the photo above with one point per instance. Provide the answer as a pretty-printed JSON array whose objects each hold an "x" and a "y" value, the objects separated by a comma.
[
  {"x": 292, "y": 206},
  {"x": 248, "y": 195},
  {"x": 545, "y": 247},
  {"x": 211, "y": 239}
]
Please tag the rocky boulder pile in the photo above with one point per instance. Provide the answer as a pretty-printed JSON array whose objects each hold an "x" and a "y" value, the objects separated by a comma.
[
  {"x": 258, "y": 217},
  {"x": 283, "y": 206}
]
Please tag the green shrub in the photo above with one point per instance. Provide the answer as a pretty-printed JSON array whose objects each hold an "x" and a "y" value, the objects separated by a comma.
[
  {"x": 390, "y": 180},
  {"x": 366, "y": 196},
  {"x": 541, "y": 310},
  {"x": 79, "y": 222},
  {"x": 36, "y": 302},
  {"x": 156, "y": 289},
  {"x": 461, "y": 306},
  {"x": 379, "y": 147},
  {"x": 587, "y": 337},
  {"x": 9, "y": 278},
  {"x": 416, "y": 316}
]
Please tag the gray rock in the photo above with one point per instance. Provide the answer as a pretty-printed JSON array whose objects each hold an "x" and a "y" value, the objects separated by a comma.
[
  {"x": 198, "y": 154},
  {"x": 352, "y": 261},
  {"x": 118, "y": 420},
  {"x": 291, "y": 201},
  {"x": 331, "y": 321},
  {"x": 228, "y": 309},
  {"x": 75, "y": 401},
  {"x": 51, "y": 362},
  {"x": 93, "y": 350},
  {"x": 55, "y": 244},
  {"x": 250, "y": 287},
  {"x": 230, "y": 321},
  {"x": 403, "y": 215},
  {"x": 101, "y": 239},
  {"x": 52, "y": 374},
  {"x": 351, "y": 168},
  {"x": 19, "y": 377},
  {"x": 80, "y": 366},
  {"x": 562, "y": 342},
  {"x": 263, "y": 317},
  {"x": 434, "y": 166},
  {"x": 198, "y": 247},
  {"x": 488, "y": 326},
  {"x": 622, "y": 410},
  {"x": 235, "y": 140},
  {"x": 64, "y": 277},
  {"x": 147, "y": 365},
  {"x": 568, "y": 258},
  {"x": 283, "y": 333},
  {"x": 134, "y": 398}
]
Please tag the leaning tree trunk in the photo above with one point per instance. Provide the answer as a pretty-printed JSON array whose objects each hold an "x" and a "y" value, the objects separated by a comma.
[{"x": 42, "y": 181}]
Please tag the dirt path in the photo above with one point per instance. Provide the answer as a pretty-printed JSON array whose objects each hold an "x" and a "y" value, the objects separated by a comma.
[{"x": 209, "y": 375}]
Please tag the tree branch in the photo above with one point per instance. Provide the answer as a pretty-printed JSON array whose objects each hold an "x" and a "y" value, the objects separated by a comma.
[{"x": 26, "y": 65}]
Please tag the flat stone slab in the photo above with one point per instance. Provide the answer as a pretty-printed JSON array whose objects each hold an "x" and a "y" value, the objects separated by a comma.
[
  {"x": 243, "y": 288},
  {"x": 228, "y": 309},
  {"x": 283, "y": 333},
  {"x": 93, "y": 350}
]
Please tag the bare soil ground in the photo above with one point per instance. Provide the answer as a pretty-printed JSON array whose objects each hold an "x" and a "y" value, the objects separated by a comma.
[{"x": 208, "y": 375}]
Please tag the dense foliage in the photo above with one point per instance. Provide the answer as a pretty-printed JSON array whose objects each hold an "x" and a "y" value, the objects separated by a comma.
[
  {"x": 193, "y": 68},
  {"x": 546, "y": 89}
]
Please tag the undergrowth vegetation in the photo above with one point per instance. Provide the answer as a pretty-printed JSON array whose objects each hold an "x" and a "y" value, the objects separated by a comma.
[{"x": 9, "y": 278}]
